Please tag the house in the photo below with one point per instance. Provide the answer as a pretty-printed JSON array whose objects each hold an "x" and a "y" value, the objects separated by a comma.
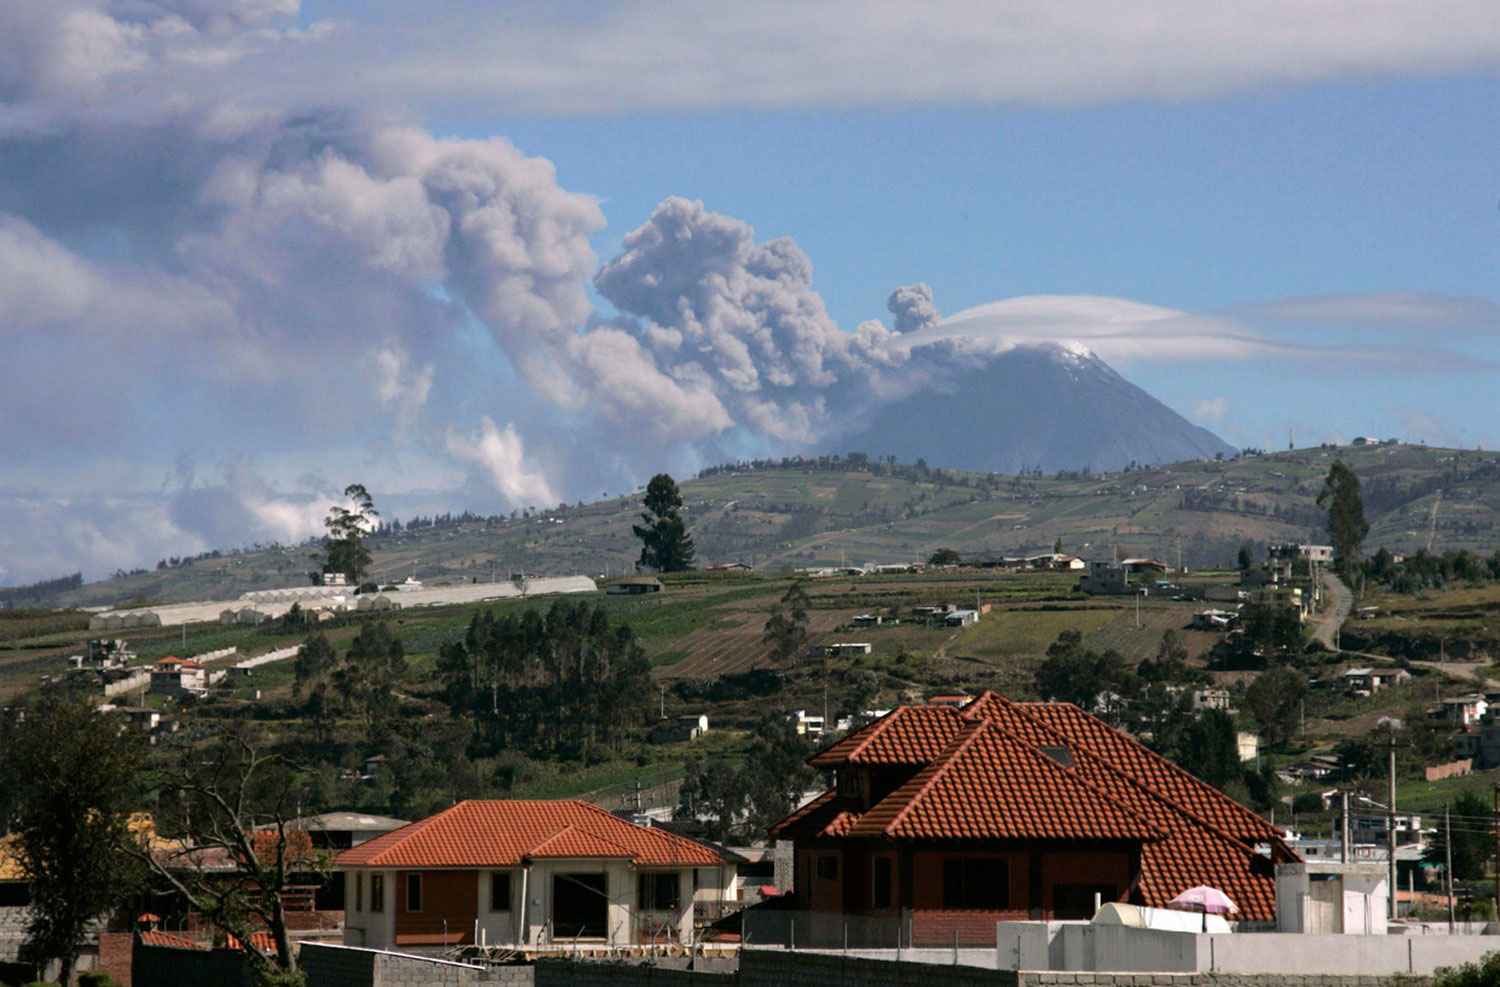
[
  {"x": 1480, "y": 741},
  {"x": 524, "y": 872},
  {"x": 807, "y": 724},
  {"x": 1210, "y": 698},
  {"x": 1464, "y": 711},
  {"x": 1105, "y": 578},
  {"x": 1013, "y": 811},
  {"x": 1247, "y": 744},
  {"x": 342, "y": 830},
  {"x": 867, "y": 620},
  {"x": 961, "y": 618},
  {"x": 634, "y": 586},
  {"x": 103, "y": 654},
  {"x": 838, "y": 649},
  {"x": 1368, "y": 681},
  {"x": 1281, "y": 596},
  {"x": 955, "y": 701},
  {"x": 177, "y": 677},
  {"x": 1213, "y": 620},
  {"x": 679, "y": 729},
  {"x": 1143, "y": 566},
  {"x": 730, "y": 567}
]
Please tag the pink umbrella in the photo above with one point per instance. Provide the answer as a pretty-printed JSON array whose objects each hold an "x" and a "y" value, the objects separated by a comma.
[{"x": 1204, "y": 899}]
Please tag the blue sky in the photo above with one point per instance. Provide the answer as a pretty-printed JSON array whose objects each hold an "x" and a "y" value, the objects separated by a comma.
[{"x": 486, "y": 256}]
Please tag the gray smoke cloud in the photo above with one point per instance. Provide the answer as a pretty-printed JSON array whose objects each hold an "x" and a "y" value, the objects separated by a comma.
[
  {"x": 286, "y": 299},
  {"x": 913, "y": 307},
  {"x": 737, "y": 317}
]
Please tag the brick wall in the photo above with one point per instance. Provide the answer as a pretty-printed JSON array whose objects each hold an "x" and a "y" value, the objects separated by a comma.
[{"x": 115, "y": 949}]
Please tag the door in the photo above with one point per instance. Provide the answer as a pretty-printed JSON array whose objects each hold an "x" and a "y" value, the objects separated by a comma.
[{"x": 579, "y": 907}]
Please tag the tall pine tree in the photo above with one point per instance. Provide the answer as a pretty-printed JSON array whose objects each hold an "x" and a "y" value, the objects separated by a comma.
[
  {"x": 1346, "y": 514},
  {"x": 665, "y": 544}
]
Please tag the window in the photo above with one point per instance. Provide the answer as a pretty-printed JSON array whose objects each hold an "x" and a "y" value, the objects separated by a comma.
[
  {"x": 359, "y": 891},
  {"x": 658, "y": 892},
  {"x": 377, "y": 892},
  {"x": 828, "y": 868},
  {"x": 976, "y": 882},
  {"x": 1075, "y": 901},
  {"x": 500, "y": 892},
  {"x": 414, "y": 892},
  {"x": 880, "y": 892}
]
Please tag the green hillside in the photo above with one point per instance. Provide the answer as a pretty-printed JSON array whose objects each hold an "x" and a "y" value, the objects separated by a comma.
[{"x": 834, "y": 511}]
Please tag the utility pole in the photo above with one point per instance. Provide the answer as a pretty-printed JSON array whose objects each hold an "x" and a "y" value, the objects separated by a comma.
[
  {"x": 1448, "y": 863},
  {"x": 1390, "y": 823},
  {"x": 1344, "y": 827},
  {"x": 1495, "y": 825}
]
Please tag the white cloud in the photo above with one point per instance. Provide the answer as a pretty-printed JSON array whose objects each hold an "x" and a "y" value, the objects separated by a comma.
[
  {"x": 500, "y": 456},
  {"x": 1385, "y": 311},
  {"x": 1212, "y": 410},
  {"x": 682, "y": 55}
]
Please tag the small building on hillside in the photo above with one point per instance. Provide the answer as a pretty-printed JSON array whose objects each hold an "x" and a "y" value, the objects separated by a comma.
[
  {"x": 525, "y": 872},
  {"x": 867, "y": 620},
  {"x": 839, "y": 649},
  {"x": 1211, "y": 697},
  {"x": 103, "y": 654},
  {"x": 177, "y": 677},
  {"x": 1105, "y": 578},
  {"x": 807, "y": 724},
  {"x": 634, "y": 586},
  {"x": 1368, "y": 681},
  {"x": 678, "y": 729},
  {"x": 961, "y": 618},
  {"x": 1464, "y": 711}
]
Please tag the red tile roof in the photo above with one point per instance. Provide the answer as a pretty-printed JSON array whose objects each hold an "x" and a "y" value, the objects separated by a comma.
[
  {"x": 506, "y": 833},
  {"x": 989, "y": 785},
  {"x": 1003, "y": 770},
  {"x": 262, "y": 941},
  {"x": 905, "y": 735}
]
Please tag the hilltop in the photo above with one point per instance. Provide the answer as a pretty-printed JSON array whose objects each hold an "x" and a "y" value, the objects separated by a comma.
[{"x": 850, "y": 509}]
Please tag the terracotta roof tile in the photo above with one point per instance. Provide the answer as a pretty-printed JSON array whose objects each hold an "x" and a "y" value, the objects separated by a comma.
[
  {"x": 905, "y": 735},
  {"x": 505, "y": 833},
  {"x": 826, "y": 815},
  {"x": 988, "y": 784}
]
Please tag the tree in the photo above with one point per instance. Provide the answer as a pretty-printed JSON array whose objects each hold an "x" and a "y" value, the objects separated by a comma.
[
  {"x": 229, "y": 803},
  {"x": 344, "y": 547},
  {"x": 1275, "y": 700},
  {"x": 944, "y": 556},
  {"x": 786, "y": 629},
  {"x": 1073, "y": 674},
  {"x": 1471, "y": 822},
  {"x": 1208, "y": 748},
  {"x": 1057, "y": 545},
  {"x": 665, "y": 544},
  {"x": 315, "y": 659},
  {"x": 1347, "y": 526},
  {"x": 70, "y": 775},
  {"x": 372, "y": 668},
  {"x": 1246, "y": 557}
]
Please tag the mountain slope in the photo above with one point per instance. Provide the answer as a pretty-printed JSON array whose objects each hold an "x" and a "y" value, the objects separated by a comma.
[{"x": 1051, "y": 407}]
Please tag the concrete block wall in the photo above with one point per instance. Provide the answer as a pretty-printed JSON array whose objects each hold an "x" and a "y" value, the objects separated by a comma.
[
  {"x": 568, "y": 973},
  {"x": 327, "y": 965}
]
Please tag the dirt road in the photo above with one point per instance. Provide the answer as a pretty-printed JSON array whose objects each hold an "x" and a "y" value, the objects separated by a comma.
[{"x": 1343, "y": 601}]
